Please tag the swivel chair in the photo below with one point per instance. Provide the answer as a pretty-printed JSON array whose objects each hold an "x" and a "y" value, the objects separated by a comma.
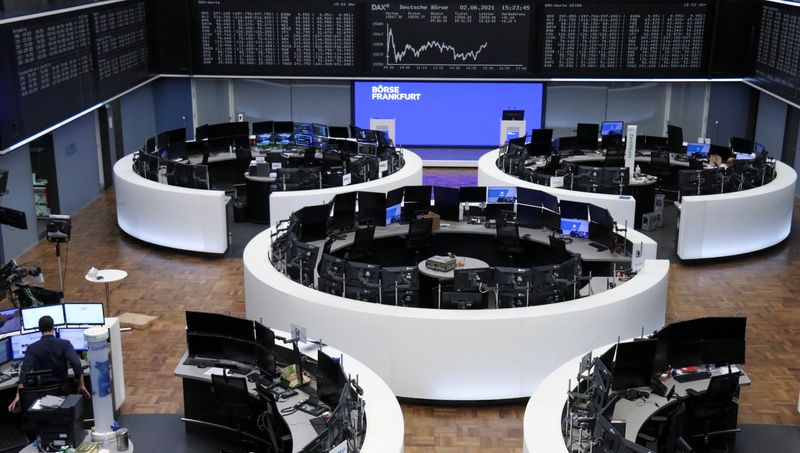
[
  {"x": 659, "y": 167},
  {"x": 715, "y": 410},
  {"x": 508, "y": 240},
  {"x": 586, "y": 134},
  {"x": 420, "y": 232},
  {"x": 614, "y": 158},
  {"x": 243, "y": 158},
  {"x": 232, "y": 402},
  {"x": 362, "y": 244},
  {"x": 664, "y": 432}
]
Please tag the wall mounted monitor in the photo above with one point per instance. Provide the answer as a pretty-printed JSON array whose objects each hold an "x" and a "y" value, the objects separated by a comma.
[
  {"x": 465, "y": 114},
  {"x": 84, "y": 313},
  {"x": 698, "y": 150},
  {"x": 11, "y": 320},
  {"x": 6, "y": 355},
  {"x": 20, "y": 343},
  {"x": 611, "y": 128},
  {"x": 472, "y": 194},
  {"x": 501, "y": 195},
  {"x": 575, "y": 228},
  {"x": 30, "y": 316},
  {"x": 75, "y": 336}
]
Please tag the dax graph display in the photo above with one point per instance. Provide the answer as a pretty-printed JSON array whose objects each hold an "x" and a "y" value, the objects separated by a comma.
[{"x": 460, "y": 39}]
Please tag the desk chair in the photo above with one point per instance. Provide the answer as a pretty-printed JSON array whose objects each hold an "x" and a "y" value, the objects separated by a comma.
[
  {"x": 362, "y": 244},
  {"x": 29, "y": 394},
  {"x": 660, "y": 167},
  {"x": 558, "y": 250},
  {"x": 715, "y": 407},
  {"x": 695, "y": 164},
  {"x": 614, "y": 159},
  {"x": 232, "y": 402},
  {"x": 420, "y": 232},
  {"x": 508, "y": 240},
  {"x": 243, "y": 158},
  {"x": 664, "y": 431}
]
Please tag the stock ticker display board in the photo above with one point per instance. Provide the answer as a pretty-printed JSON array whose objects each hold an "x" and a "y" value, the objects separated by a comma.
[
  {"x": 247, "y": 37},
  {"x": 449, "y": 38},
  {"x": 625, "y": 39},
  {"x": 777, "y": 65}
]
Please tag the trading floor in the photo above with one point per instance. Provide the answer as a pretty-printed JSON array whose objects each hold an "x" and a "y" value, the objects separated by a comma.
[{"x": 164, "y": 283}]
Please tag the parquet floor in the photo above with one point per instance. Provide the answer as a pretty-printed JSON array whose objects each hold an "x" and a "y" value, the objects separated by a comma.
[{"x": 764, "y": 287}]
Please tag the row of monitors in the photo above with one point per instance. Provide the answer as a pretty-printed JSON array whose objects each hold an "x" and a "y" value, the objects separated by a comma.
[
  {"x": 535, "y": 209},
  {"x": 14, "y": 347},
  {"x": 179, "y": 174},
  {"x": 18, "y": 319},
  {"x": 217, "y": 336}
]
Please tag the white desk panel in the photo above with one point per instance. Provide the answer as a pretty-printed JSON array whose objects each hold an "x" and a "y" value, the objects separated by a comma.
[
  {"x": 283, "y": 204},
  {"x": 456, "y": 355},
  {"x": 176, "y": 217},
  {"x": 621, "y": 208},
  {"x": 729, "y": 224}
]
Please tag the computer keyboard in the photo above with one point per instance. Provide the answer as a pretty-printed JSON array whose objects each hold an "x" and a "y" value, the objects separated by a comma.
[
  {"x": 319, "y": 424},
  {"x": 691, "y": 377},
  {"x": 198, "y": 362},
  {"x": 11, "y": 439},
  {"x": 309, "y": 408},
  {"x": 4, "y": 377}
]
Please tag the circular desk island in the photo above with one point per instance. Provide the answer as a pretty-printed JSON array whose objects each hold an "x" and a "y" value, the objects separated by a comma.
[{"x": 456, "y": 355}]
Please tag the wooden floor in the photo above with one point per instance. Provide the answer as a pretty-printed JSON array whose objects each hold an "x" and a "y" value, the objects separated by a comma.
[{"x": 764, "y": 287}]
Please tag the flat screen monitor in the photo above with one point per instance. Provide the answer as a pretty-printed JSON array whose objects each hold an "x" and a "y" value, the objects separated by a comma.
[
  {"x": 314, "y": 222},
  {"x": 393, "y": 214},
  {"x": 600, "y": 215},
  {"x": 494, "y": 210},
  {"x": 344, "y": 212},
  {"x": 472, "y": 194},
  {"x": 371, "y": 208},
  {"x": 611, "y": 128},
  {"x": 330, "y": 379},
  {"x": 473, "y": 279},
  {"x": 674, "y": 138},
  {"x": 30, "y": 316},
  {"x": 13, "y": 218},
  {"x": 634, "y": 364},
  {"x": 75, "y": 336},
  {"x": 263, "y": 127},
  {"x": 446, "y": 202},
  {"x": 204, "y": 323},
  {"x": 263, "y": 139},
  {"x": 5, "y": 351},
  {"x": 501, "y": 195},
  {"x": 551, "y": 220},
  {"x": 20, "y": 343},
  {"x": 602, "y": 234},
  {"x": 530, "y": 197},
  {"x": 576, "y": 228},
  {"x": 699, "y": 150},
  {"x": 338, "y": 131},
  {"x": 421, "y": 195},
  {"x": 574, "y": 210},
  {"x": 550, "y": 202},
  {"x": 265, "y": 350},
  {"x": 743, "y": 156},
  {"x": 238, "y": 328},
  {"x": 529, "y": 216},
  {"x": 206, "y": 346},
  {"x": 11, "y": 321},
  {"x": 741, "y": 145},
  {"x": 84, "y": 313},
  {"x": 240, "y": 351}
]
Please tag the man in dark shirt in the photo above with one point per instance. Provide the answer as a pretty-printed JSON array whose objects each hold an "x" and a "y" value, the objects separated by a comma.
[{"x": 50, "y": 353}]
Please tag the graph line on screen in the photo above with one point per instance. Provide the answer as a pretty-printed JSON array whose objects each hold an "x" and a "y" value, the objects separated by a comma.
[{"x": 391, "y": 49}]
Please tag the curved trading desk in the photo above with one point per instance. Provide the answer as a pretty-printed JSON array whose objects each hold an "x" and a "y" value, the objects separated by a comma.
[
  {"x": 713, "y": 226},
  {"x": 621, "y": 207},
  {"x": 384, "y": 419},
  {"x": 282, "y": 204},
  {"x": 456, "y": 355},
  {"x": 171, "y": 216}
]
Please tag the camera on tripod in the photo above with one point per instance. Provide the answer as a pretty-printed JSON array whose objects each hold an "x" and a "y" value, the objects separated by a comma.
[{"x": 59, "y": 228}]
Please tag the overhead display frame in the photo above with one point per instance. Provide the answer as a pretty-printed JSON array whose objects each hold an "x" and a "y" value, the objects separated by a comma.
[{"x": 777, "y": 66}]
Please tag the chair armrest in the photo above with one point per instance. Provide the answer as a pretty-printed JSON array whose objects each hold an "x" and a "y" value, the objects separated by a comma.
[
  {"x": 693, "y": 392},
  {"x": 658, "y": 419},
  {"x": 645, "y": 437}
]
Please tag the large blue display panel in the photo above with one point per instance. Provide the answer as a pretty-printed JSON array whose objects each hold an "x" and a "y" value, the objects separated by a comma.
[{"x": 446, "y": 113}]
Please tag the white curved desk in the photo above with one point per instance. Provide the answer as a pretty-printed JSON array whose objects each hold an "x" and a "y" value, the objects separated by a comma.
[
  {"x": 282, "y": 204},
  {"x": 621, "y": 207},
  {"x": 729, "y": 224},
  {"x": 456, "y": 355},
  {"x": 176, "y": 217}
]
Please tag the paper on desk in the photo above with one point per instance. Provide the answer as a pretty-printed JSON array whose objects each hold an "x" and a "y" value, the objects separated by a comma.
[
  {"x": 724, "y": 370},
  {"x": 214, "y": 370}
]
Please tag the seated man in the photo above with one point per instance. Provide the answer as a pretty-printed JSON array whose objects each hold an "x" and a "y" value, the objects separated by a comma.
[{"x": 50, "y": 353}]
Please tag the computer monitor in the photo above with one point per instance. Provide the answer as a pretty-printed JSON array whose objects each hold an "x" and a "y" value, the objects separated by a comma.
[
  {"x": 529, "y": 216},
  {"x": 371, "y": 208},
  {"x": 344, "y": 212},
  {"x": 699, "y": 150},
  {"x": 530, "y": 197},
  {"x": 541, "y": 142},
  {"x": 205, "y": 346},
  {"x": 473, "y": 279},
  {"x": 419, "y": 195},
  {"x": 501, "y": 195},
  {"x": 393, "y": 214},
  {"x": 13, "y": 218},
  {"x": 587, "y": 135},
  {"x": 634, "y": 364},
  {"x": 550, "y": 202},
  {"x": 600, "y": 215},
  {"x": 674, "y": 138},
  {"x": 338, "y": 131},
  {"x": 551, "y": 220},
  {"x": 20, "y": 343},
  {"x": 512, "y": 277},
  {"x": 472, "y": 194},
  {"x": 314, "y": 222},
  {"x": 574, "y": 210},
  {"x": 240, "y": 351},
  {"x": 84, "y": 313},
  {"x": 457, "y": 300},
  {"x": 30, "y": 316},
  {"x": 332, "y": 267},
  {"x": 263, "y": 127},
  {"x": 494, "y": 210},
  {"x": 75, "y": 336},
  {"x": 265, "y": 349},
  {"x": 204, "y": 323},
  {"x": 330, "y": 379},
  {"x": 263, "y": 139},
  {"x": 238, "y": 328},
  {"x": 5, "y": 351},
  {"x": 401, "y": 277},
  {"x": 576, "y": 228},
  {"x": 363, "y": 274},
  {"x": 11, "y": 321},
  {"x": 446, "y": 202},
  {"x": 611, "y": 128}
]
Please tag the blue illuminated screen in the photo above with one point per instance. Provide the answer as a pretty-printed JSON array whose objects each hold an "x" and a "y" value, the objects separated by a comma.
[
  {"x": 698, "y": 149},
  {"x": 446, "y": 113},
  {"x": 392, "y": 214},
  {"x": 575, "y": 228},
  {"x": 501, "y": 195},
  {"x": 611, "y": 128}
]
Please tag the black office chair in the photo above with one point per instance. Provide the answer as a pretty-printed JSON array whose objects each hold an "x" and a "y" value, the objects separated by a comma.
[
  {"x": 558, "y": 250},
  {"x": 233, "y": 403},
  {"x": 614, "y": 159},
  {"x": 243, "y": 158},
  {"x": 420, "y": 232},
  {"x": 695, "y": 164},
  {"x": 362, "y": 244},
  {"x": 660, "y": 167},
  {"x": 714, "y": 411},
  {"x": 664, "y": 432},
  {"x": 273, "y": 425},
  {"x": 508, "y": 240}
]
